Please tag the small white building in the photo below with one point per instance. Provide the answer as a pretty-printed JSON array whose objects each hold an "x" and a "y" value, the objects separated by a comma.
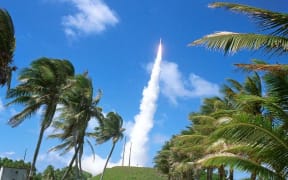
[{"x": 13, "y": 173}]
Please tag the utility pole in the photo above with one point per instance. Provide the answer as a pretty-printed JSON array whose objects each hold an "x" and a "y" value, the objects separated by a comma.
[
  {"x": 123, "y": 155},
  {"x": 25, "y": 154},
  {"x": 130, "y": 154}
]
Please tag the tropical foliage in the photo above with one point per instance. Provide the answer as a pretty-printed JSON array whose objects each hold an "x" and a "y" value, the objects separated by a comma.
[
  {"x": 49, "y": 85},
  {"x": 246, "y": 127},
  {"x": 77, "y": 110},
  {"x": 7, "y": 47},
  {"x": 6, "y": 162},
  {"x": 110, "y": 127},
  {"x": 41, "y": 87}
]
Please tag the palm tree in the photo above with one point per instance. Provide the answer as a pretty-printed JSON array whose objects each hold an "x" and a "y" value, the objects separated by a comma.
[
  {"x": 214, "y": 113},
  {"x": 162, "y": 158},
  {"x": 269, "y": 109},
  {"x": 257, "y": 122},
  {"x": 41, "y": 86},
  {"x": 79, "y": 107},
  {"x": 109, "y": 128},
  {"x": 193, "y": 143},
  {"x": 49, "y": 173},
  {"x": 257, "y": 147},
  {"x": 7, "y": 47}
]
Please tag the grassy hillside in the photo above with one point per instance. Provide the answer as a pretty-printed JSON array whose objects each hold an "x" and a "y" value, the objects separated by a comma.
[{"x": 131, "y": 173}]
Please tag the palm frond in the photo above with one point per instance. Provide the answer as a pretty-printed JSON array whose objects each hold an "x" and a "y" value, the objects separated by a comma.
[
  {"x": 20, "y": 117},
  {"x": 91, "y": 147},
  {"x": 240, "y": 163},
  {"x": 252, "y": 134},
  {"x": 276, "y": 21},
  {"x": 264, "y": 67},
  {"x": 61, "y": 146},
  {"x": 194, "y": 139},
  {"x": 7, "y": 47},
  {"x": 231, "y": 42}
]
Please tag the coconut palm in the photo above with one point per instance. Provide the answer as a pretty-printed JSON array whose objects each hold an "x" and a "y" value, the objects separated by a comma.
[
  {"x": 109, "y": 128},
  {"x": 269, "y": 110},
  {"x": 41, "y": 86},
  {"x": 79, "y": 107},
  {"x": 213, "y": 114},
  {"x": 7, "y": 47},
  {"x": 161, "y": 160},
  {"x": 194, "y": 143},
  {"x": 258, "y": 121},
  {"x": 257, "y": 147}
]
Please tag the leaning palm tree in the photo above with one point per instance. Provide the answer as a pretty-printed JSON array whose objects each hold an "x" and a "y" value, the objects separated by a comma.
[
  {"x": 109, "y": 128},
  {"x": 41, "y": 85},
  {"x": 78, "y": 108},
  {"x": 275, "y": 42},
  {"x": 7, "y": 47},
  {"x": 257, "y": 147}
]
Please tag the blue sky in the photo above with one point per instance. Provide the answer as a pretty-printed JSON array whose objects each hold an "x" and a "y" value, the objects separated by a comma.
[{"x": 116, "y": 41}]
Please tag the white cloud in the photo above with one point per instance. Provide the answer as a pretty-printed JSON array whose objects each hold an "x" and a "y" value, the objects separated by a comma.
[
  {"x": 54, "y": 156},
  {"x": 92, "y": 124},
  {"x": 160, "y": 138},
  {"x": 7, "y": 154},
  {"x": 95, "y": 166},
  {"x": 128, "y": 125},
  {"x": 174, "y": 85},
  {"x": 92, "y": 16},
  {"x": 2, "y": 108}
]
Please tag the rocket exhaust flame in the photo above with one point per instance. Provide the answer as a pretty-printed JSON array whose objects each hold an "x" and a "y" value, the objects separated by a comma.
[{"x": 143, "y": 122}]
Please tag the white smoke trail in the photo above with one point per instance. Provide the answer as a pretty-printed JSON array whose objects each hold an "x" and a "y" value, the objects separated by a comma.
[{"x": 144, "y": 120}]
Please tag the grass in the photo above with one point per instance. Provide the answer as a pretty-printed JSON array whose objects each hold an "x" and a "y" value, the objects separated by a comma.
[{"x": 131, "y": 173}]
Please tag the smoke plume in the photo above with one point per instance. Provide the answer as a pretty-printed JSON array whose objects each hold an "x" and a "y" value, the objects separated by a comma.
[{"x": 143, "y": 122}]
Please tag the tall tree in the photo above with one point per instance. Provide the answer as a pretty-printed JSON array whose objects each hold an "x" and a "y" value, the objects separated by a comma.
[
  {"x": 7, "y": 47},
  {"x": 41, "y": 85},
  {"x": 161, "y": 160},
  {"x": 79, "y": 107},
  {"x": 109, "y": 128},
  {"x": 263, "y": 110}
]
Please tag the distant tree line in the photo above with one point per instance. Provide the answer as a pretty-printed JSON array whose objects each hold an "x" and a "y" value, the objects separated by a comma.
[
  {"x": 50, "y": 173},
  {"x": 6, "y": 162}
]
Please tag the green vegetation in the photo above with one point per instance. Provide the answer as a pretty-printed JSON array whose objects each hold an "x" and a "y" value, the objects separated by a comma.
[
  {"x": 49, "y": 84},
  {"x": 110, "y": 128},
  {"x": 131, "y": 173},
  {"x": 246, "y": 127},
  {"x": 5, "y": 162},
  {"x": 7, "y": 47}
]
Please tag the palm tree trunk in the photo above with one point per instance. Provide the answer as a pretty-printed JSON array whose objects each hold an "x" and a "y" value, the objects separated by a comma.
[
  {"x": 221, "y": 172},
  {"x": 31, "y": 172},
  {"x": 209, "y": 173},
  {"x": 79, "y": 161},
  {"x": 71, "y": 163},
  {"x": 253, "y": 176},
  {"x": 231, "y": 174},
  {"x": 76, "y": 164},
  {"x": 111, "y": 151}
]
